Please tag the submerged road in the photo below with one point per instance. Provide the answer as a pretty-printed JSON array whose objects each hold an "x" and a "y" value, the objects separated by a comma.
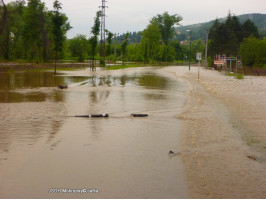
[{"x": 45, "y": 154}]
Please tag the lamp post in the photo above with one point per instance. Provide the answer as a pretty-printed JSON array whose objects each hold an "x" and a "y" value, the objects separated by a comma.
[
  {"x": 206, "y": 48},
  {"x": 189, "y": 48}
]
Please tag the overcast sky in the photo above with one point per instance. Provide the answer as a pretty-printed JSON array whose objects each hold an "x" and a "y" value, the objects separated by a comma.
[{"x": 134, "y": 15}]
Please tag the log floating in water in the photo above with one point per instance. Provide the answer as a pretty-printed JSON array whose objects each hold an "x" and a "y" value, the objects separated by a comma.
[
  {"x": 139, "y": 115},
  {"x": 93, "y": 116}
]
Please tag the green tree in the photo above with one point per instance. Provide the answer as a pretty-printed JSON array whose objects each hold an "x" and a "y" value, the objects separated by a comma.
[
  {"x": 234, "y": 35},
  {"x": 124, "y": 47},
  {"x": 79, "y": 46},
  {"x": 59, "y": 28},
  {"x": 11, "y": 42},
  {"x": 180, "y": 51},
  {"x": 166, "y": 24},
  {"x": 110, "y": 36},
  {"x": 253, "y": 52},
  {"x": 249, "y": 29},
  {"x": 33, "y": 33},
  {"x": 146, "y": 54},
  {"x": 225, "y": 38},
  {"x": 150, "y": 40},
  {"x": 3, "y": 15},
  {"x": 197, "y": 46},
  {"x": 95, "y": 30}
]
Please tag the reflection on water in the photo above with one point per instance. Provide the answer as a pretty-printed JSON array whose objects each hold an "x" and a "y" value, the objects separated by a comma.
[
  {"x": 34, "y": 79},
  {"x": 12, "y": 85},
  {"x": 122, "y": 157}
]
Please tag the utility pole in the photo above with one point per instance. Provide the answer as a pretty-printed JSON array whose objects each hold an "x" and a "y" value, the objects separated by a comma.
[
  {"x": 102, "y": 52},
  {"x": 206, "y": 47}
]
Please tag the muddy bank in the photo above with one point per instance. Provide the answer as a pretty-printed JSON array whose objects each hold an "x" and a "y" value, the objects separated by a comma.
[{"x": 224, "y": 140}]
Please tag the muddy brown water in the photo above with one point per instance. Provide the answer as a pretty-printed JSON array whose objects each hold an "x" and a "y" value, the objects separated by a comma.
[{"x": 44, "y": 151}]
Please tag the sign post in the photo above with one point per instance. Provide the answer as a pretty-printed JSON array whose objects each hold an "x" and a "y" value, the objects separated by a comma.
[{"x": 198, "y": 57}]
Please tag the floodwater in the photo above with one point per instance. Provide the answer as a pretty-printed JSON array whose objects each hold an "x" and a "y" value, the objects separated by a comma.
[{"x": 44, "y": 150}]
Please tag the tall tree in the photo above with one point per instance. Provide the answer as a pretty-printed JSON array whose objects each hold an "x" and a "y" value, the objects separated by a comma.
[
  {"x": 33, "y": 33},
  {"x": 11, "y": 37},
  {"x": 124, "y": 47},
  {"x": 3, "y": 16},
  {"x": 249, "y": 28},
  {"x": 225, "y": 38},
  {"x": 110, "y": 36},
  {"x": 150, "y": 40},
  {"x": 58, "y": 22},
  {"x": 166, "y": 24},
  {"x": 79, "y": 46},
  {"x": 95, "y": 30}
]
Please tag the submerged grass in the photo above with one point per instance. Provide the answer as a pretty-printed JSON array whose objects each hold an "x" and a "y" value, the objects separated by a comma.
[
  {"x": 116, "y": 67},
  {"x": 237, "y": 76}
]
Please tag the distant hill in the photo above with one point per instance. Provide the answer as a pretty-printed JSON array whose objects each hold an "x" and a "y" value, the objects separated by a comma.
[{"x": 199, "y": 30}]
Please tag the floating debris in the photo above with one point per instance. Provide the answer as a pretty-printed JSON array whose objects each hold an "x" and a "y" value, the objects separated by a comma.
[
  {"x": 93, "y": 116},
  {"x": 139, "y": 115},
  {"x": 62, "y": 87},
  {"x": 252, "y": 157},
  {"x": 171, "y": 152}
]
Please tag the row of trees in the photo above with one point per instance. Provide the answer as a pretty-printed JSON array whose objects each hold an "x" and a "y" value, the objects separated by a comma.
[
  {"x": 32, "y": 32},
  {"x": 154, "y": 44},
  {"x": 226, "y": 38}
]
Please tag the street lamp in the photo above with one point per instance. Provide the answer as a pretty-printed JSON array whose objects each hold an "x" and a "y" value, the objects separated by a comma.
[{"x": 190, "y": 48}]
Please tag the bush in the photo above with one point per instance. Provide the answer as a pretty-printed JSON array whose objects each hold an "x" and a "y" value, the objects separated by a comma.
[
  {"x": 239, "y": 76},
  {"x": 253, "y": 52}
]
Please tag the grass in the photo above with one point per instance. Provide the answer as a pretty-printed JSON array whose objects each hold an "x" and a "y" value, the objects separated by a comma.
[
  {"x": 240, "y": 76},
  {"x": 124, "y": 66},
  {"x": 237, "y": 76},
  {"x": 230, "y": 74}
]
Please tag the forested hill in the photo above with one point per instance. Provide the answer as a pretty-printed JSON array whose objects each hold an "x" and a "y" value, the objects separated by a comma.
[{"x": 199, "y": 30}]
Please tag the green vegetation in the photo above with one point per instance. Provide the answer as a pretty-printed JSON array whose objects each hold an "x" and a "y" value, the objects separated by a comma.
[
  {"x": 199, "y": 30},
  {"x": 253, "y": 52},
  {"x": 58, "y": 30},
  {"x": 95, "y": 31},
  {"x": 237, "y": 76},
  {"x": 240, "y": 76},
  {"x": 79, "y": 47},
  {"x": 237, "y": 40},
  {"x": 32, "y": 33},
  {"x": 230, "y": 74},
  {"x": 116, "y": 67},
  {"x": 225, "y": 38}
]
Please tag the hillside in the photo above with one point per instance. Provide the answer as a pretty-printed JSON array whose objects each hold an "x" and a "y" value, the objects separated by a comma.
[{"x": 199, "y": 30}]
